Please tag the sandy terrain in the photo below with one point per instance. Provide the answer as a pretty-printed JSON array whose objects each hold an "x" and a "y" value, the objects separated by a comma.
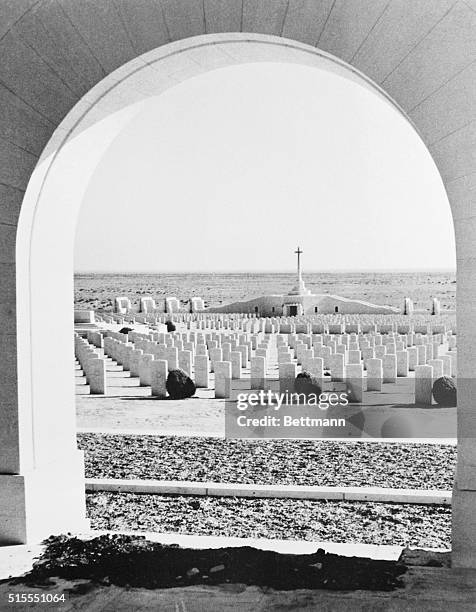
[
  {"x": 130, "y": 407},
  {"x": 98, "y": 290}
]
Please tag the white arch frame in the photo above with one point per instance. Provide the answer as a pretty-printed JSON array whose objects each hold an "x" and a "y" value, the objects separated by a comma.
[{"x": 49, "y": 459}]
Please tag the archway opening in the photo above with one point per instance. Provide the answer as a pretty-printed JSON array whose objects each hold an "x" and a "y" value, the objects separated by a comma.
[{"x": 62, "y": 194}]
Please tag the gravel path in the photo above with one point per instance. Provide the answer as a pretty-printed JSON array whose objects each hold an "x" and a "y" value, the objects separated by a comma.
[
  {"x": 302, "y": 462},
  {"x": 364, "y": 522}
]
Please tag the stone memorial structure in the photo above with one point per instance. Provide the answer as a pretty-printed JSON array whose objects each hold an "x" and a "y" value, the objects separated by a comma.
[
  {"x": 147, "y": 304},
  {"x": 122, "y": 305},
  {"x": 300, "y": 301}
]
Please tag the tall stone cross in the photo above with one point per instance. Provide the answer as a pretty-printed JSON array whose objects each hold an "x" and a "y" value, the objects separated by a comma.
[{"x": 299, "y": 253}]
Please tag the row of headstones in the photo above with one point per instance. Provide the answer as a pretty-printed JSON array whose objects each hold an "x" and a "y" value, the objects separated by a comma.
[
  {"x": 152, "y": 362},
  {"x": 92, "y": 364},
  {"x": 299, "y": 348},
  {"x": 373, "y": 338},
  {"x": 228, "y": 363},
  {"x": 312, "y": 318},
  {"x": 286, "y": 326},
  {"x": 180, "y": 350},
  {"x": 326, "y": 319},
  {"x": 151, "y": 371},
  {"x": 326, "y": 343},
  {"x": 379, "y": 371},
  {"x": 225, "y": 373},
  {"x": 247, "y": 325},
  {"x": 110, "y": 319},
  {"x": 173, "y": 311},
  {"x": 385, "y": 367},
  {"x": 408, "y": 350},
  {"x": 303, "y": 324},
  {"x": 95, "y": 338},
  {"x": 244, "y": 323},
  {"x": 336, "y": 343},
  {"x": 190, "y": 340},
  {"x": 364, "y": 318},
  {"x": 403, "y": 352}
]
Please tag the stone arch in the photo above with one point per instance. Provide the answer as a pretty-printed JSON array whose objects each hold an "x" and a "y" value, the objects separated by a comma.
[{"x": 54, "y": 54}]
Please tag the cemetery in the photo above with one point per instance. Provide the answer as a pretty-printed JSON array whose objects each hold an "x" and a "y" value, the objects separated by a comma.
[
  {"x": 400, "y": 376},
  {"x": 394, "y": 372},
  {"x": 217, "y": 349},
  {"x": 154, "y": 379},
  {"x": 378, "y": 361},
  {"x": 159, "y": 458}
]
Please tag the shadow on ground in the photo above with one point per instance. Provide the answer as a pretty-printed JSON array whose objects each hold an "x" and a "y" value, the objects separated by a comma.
[{"x": 134, "y": 561}]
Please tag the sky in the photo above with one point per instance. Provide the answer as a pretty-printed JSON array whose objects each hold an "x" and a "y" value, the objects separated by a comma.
[{"x": 232, "y": 170}]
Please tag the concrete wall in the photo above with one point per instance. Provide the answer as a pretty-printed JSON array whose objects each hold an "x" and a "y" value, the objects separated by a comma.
[
  {"x": 264, "y": 306},
  {"x": 273, "y": 305},
  {"x": 328, "y": 304},
  {"x": 54, "y": 52}
]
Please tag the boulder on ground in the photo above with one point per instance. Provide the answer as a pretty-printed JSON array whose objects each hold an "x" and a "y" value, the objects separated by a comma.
[
  {"x": 170, "y": 326},
  {"x": 304, "y": 383},
  {"x": 125, "y": 330},
  {"x": 444, "y": 391},
  {"x": 179, "y": 385}
]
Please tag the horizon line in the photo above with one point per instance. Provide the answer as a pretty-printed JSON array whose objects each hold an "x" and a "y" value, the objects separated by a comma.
[{"x": 225, "y": 271}]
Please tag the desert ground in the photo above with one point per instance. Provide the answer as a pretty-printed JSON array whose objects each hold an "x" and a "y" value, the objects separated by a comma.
[{"x": 97, "y": 291}]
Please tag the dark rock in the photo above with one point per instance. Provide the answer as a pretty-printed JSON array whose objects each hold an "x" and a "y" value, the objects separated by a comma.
[
  {"x": 444, "y": 391},
  {"x": 170, "y": 326},
  {"x": 425, "y": 558},
  {"x": 125, "y": 330},
  {"x": 179, "y": 385},
  {"x": 304, "y": 383}
]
